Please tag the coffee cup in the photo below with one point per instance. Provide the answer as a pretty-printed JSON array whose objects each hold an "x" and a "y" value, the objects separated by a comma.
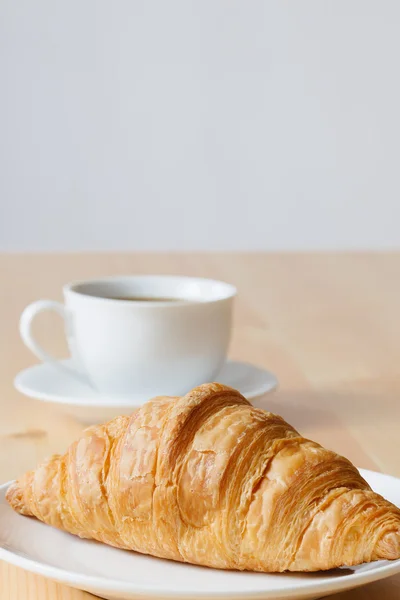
[{"x": 148, "y": 334}]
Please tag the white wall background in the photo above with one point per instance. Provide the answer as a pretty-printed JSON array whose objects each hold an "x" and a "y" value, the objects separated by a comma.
[{"x": 207, "y": 124}]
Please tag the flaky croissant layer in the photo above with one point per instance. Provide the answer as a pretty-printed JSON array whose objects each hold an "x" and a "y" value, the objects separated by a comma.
[{"x": 211, "y": 480}]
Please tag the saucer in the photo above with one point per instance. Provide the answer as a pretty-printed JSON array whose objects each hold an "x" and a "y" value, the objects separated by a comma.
[{"x": 44, "y": 382}]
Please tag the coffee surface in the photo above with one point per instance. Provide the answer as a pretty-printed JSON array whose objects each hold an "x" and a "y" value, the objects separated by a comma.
[{"x": 146, "y": 298}]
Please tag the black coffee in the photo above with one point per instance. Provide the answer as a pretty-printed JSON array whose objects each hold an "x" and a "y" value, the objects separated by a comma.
[{"x": 147, "y": 298}]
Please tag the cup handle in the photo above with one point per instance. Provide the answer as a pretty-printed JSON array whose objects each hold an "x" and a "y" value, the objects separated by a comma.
[{"x": 25, "y": 329}]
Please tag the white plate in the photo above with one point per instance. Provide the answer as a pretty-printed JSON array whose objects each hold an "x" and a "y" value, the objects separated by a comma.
[
  {"x": 119, "y": 574},
  {"x": 73, "y": 397}
]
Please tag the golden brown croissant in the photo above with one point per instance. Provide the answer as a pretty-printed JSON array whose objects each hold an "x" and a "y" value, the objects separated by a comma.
[{"x": 209, "y": 479}]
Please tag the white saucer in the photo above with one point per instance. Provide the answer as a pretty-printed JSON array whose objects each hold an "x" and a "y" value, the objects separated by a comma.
[
  {"x": 119, "y": 574},
  {"x": 46, "y": 383}
]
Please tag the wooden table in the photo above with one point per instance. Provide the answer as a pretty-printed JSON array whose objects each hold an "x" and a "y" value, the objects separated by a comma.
[{"x": 326, "y": 324}]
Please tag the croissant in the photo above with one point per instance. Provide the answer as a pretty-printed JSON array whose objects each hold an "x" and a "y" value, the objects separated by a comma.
[{"x": 211, "y": 480}]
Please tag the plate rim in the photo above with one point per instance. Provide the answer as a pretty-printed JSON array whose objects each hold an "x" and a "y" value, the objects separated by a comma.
[
  {"x": 92, "y": 582},
  {"x": 101, "y": 401}
]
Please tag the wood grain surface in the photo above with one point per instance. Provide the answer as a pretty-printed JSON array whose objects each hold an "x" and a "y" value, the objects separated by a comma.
[{"x": 326, "y": 324}]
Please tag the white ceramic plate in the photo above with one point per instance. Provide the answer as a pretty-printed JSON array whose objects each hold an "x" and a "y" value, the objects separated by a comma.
[
  {"x": 73, "y": 397},
  {"x": 118, "y": 574}
]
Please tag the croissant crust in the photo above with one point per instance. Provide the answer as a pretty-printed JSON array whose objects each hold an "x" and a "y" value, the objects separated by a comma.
[{"x": 211, "y": 480}]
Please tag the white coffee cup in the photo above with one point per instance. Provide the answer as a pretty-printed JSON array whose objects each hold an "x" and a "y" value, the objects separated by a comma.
[{"x": 147, "y": 347}]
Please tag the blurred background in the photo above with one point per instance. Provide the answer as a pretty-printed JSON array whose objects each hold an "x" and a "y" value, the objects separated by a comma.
[{"x": 199, "y": 125}]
